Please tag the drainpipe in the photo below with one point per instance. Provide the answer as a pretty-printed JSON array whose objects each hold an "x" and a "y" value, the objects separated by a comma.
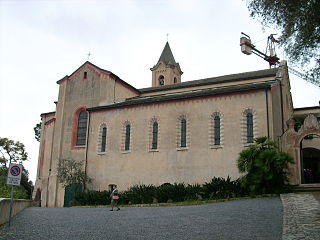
[
  {"x": 267, "y": 108},
  {"x": 87, "y": 146},
  {"x": 281, "y": 104},
  {"x": 301, "y": 164}
]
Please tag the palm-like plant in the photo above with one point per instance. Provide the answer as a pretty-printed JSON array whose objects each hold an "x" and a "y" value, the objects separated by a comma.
[{"x": 265, "y": 168}]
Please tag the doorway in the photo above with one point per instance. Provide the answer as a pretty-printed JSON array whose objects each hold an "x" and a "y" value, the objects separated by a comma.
[{"x": 310, "y": 159}]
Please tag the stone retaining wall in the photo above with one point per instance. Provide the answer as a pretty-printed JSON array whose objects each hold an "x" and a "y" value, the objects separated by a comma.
[{"x": 18, "y": 205}]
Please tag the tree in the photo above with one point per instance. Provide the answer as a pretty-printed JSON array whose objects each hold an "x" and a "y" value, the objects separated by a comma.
[
  {"x": 20, "y": 192},
  {"x": 265, "y": 168},
  {"x": 299, "y": 23},
  {"x": 11, "y": 151},
  {"x": 37, "y": 131},
  {"x": 71, "y": 172}
]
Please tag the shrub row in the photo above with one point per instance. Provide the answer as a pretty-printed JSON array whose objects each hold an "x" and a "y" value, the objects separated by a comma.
[{"x": 217, "y": 188}]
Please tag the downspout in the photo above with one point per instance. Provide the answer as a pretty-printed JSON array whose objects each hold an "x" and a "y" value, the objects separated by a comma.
[
  {"x": 50, "y": 166},
  {"x": 301, "y": 164},
  {"x": 267, "y": 108},
  {"x": 87, "y": 146},
  {"x": 281, "y": 102},
  {"x": 114, "y": 90}
]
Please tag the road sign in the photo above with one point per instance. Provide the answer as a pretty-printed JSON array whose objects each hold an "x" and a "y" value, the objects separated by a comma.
[{"x": 14, "y": 174}]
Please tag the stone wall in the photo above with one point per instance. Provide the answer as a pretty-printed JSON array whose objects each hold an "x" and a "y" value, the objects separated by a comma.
[{"x": 18, "y": 206}]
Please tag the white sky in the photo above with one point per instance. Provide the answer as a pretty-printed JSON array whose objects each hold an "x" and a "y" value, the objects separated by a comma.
[{"x": 42, "y": 41}]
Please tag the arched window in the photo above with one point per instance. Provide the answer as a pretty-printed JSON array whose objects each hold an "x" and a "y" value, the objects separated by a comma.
[
  {"x": 127, "y": 138},
  {"x": 103, "y": 139},
  {"x": 161, "y": 80},
  {"x": 183, "y": 135},
  {"x": 82, "y": 128},
  {"x": 175, "y": 80},
  {"x": 249, "y": 127},
  {"x": 154, "y": 136},
  {"x": 216, "y": 130}
]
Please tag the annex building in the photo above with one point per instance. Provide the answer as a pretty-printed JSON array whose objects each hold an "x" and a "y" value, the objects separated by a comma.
[{"x": 173, "y": 131}]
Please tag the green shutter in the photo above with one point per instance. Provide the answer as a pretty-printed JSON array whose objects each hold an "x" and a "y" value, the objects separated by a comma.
[
  {"x": 249, "y": 128},
  {"x": 183, "y": 133},
  {"x": 155, "y": 135},
  {"x": 216, "y": 130},
  {"x": 103, "y": 139},
  {"x": 127, "y": 139}
]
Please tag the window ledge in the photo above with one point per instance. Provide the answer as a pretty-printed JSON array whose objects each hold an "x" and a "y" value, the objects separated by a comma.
[
  {"x": 248, "y": 144},
  {"x": 216, "y": 146},
  {"x": 78, "y": 147},
  {"x": 153, "y": 150},
  {"x": 102, "y": 153},
  {"x": 126, "y": 152},
  {"x": 182, "y": 148}
]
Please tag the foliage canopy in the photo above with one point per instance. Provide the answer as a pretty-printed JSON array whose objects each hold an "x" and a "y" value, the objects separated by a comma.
[
  {"x": 37, "y": 131},
  {"x": 13, "y": 151},
  {"x": 264, "y": 166},
  {"x": 299, "y": 23},
  {"x": 70, "y": 171}
]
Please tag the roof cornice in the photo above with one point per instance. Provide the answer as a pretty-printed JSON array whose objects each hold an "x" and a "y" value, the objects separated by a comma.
[
  {"x": 186, "y": 95},
  {"x": 209, "y": 81}
]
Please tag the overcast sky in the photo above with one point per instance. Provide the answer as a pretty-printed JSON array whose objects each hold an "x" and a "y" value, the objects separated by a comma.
[{"x": 42, "y": 41}]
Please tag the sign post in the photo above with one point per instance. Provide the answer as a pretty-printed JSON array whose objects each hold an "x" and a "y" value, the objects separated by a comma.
[{"x": 14, "y": 178}]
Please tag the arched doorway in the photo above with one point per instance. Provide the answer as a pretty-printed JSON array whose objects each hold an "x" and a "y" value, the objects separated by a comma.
[
  {"x": 310, "y": 159},
  {"x": 294, "y": 142}
]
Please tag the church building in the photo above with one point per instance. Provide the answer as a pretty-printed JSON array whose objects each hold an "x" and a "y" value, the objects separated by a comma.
[{"x": 173, "y": 131}]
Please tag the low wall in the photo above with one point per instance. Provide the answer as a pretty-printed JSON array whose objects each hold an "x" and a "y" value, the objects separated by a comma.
[{"x": 18, "y": 205}]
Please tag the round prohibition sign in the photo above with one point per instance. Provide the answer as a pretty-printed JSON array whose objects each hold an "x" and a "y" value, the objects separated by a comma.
[{"x": 15, "y": 170}]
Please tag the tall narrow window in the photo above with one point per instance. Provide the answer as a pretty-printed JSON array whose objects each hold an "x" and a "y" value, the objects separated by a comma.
[
  {"x": 217, "y": 130},
  {"x": 85, "y": 74},
  {"x": 127, "y": 138},
  {"x": 82, "y": 128},
  {"x": 155, "y": 136},
  {"x": 249, "y": 127},
  {"x": 103, "y": 139},
  {"x": 183, "y": 142}
]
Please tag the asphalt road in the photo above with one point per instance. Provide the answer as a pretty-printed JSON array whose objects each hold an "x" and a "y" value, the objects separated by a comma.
[{"x": 259, "y": 218}]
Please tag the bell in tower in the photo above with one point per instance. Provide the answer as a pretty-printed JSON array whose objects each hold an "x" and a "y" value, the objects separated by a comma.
[{"x": 166, "y": 71}]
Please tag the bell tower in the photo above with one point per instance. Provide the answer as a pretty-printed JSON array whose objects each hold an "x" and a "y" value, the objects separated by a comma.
[{"x": 166, "y": 71}]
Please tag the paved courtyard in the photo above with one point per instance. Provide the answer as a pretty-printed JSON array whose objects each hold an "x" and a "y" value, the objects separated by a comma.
[
  {"x": 291, "y": 217},
  {"x": 259, "y": 218}
]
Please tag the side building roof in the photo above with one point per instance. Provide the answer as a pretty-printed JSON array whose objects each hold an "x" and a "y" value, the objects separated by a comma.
[
  {"x": 101, "y": 71},
  {"x": 186, "y": 95},
  {"x": 214, "y": 80}
]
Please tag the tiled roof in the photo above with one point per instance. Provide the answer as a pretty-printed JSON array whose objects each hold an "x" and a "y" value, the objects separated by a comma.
[
  {"x": 214, "y": 80},
  {"x": 186, "y": 95}
]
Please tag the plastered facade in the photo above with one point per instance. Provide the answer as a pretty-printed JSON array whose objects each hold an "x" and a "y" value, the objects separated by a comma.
[{"x": 112, "y": 103}]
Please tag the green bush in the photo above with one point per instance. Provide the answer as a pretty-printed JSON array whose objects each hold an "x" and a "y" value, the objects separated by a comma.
[
  {"x": 92, "y": 198},
  {"x": 217, "y": 188},
  {"x": 140, "y": 194},
  {"x": 19, "y": 192},
  {"x": 220, "y": 188},
  {"x": 265, "y": 168}
]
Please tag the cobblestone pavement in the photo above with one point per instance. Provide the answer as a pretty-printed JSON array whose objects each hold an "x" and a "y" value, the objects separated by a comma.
[
  {"x": 249, "y": 219},
  {"x": 301, "y": 217}
]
